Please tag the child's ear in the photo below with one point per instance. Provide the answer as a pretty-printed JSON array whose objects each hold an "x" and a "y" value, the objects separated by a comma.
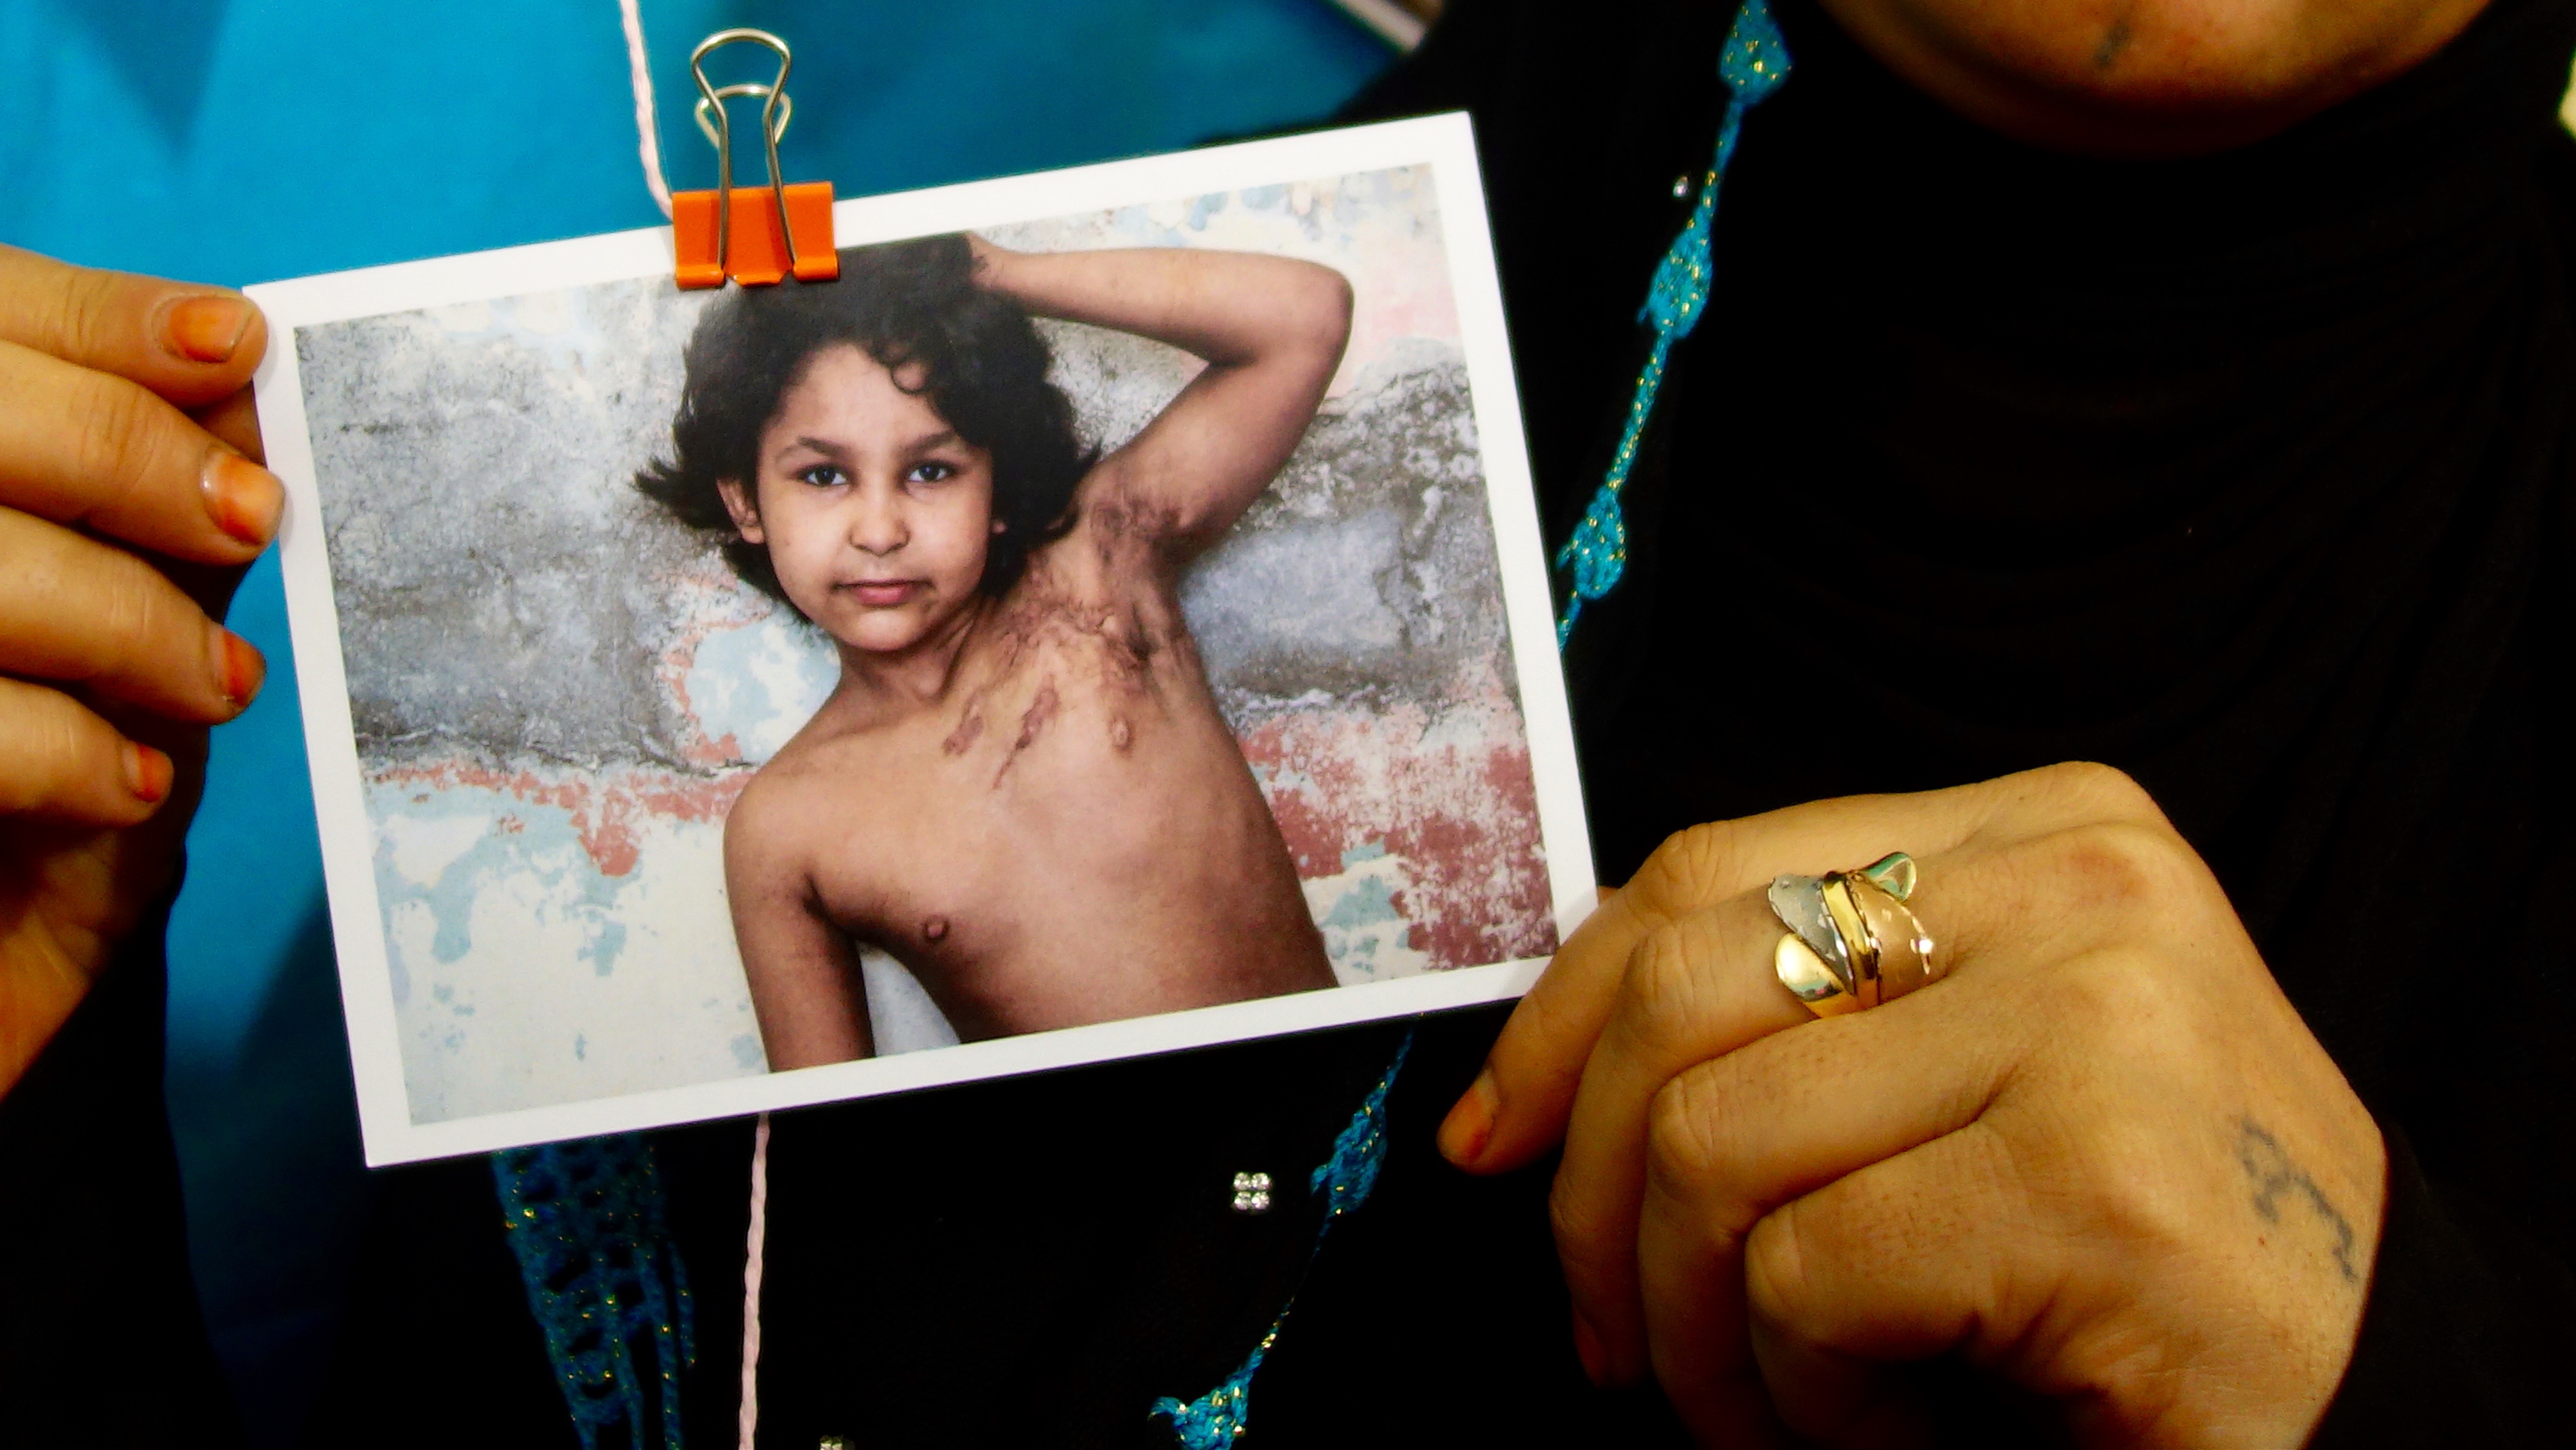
[{"x": 738, "y": 502}]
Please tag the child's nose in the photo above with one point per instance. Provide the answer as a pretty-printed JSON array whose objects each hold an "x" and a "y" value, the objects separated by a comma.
[{"x": 876, "y": 525}]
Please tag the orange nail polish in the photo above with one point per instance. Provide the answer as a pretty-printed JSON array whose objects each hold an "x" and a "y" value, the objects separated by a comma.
[
  {"x": 243, "y": 498},
  {"x": 1470, "y": 1124},
  {"x": 244, "y": 670},
  {"x": 206, "y": 329},
  {"x": 147, "y": 773}
]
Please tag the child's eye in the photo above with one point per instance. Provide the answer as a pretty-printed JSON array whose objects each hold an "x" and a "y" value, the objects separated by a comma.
[
  {"x": 930, "y": 473},
  {"x": 823, "y": 475}
]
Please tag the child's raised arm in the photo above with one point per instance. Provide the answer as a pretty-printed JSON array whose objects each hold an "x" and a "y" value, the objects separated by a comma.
[{"x": 1272, "y": 331}]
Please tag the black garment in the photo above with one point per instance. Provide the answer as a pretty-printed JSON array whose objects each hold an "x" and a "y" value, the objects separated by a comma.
[
  {"x": 100, "y": 1339},
  {"x": 2246, "y": 474}
]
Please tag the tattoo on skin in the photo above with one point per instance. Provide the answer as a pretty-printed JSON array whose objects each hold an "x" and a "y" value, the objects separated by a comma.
[
  {"x": 2275, "y": 1177},
  {"x": 2114, "y": 41}
]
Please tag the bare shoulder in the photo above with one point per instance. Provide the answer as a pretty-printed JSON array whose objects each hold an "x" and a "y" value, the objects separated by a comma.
[
  {"x": 811, "y": 785},
  {"x": 762, "y": 830}
]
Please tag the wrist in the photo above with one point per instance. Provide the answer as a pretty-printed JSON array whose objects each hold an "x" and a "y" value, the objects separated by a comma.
[{"x": 987, "y": 262}]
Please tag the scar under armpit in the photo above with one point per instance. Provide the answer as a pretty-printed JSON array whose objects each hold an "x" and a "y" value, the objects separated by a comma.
[
  {"x": 968, "y": 729},
  {"x": 934, "y": 929},
  {"x": 1119, "y": 734},
  {"x": 1033, "y": 722},
  {"x": 2275, "y": 1177}
]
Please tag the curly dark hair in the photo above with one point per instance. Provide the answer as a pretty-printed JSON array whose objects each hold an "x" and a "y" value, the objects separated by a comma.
[{"x": 912, "y": 306}]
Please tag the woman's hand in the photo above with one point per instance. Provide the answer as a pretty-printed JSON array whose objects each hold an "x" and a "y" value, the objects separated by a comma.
[
  {"x": 127, "y": 448},
  {"x": 2102, "y": 1158}
]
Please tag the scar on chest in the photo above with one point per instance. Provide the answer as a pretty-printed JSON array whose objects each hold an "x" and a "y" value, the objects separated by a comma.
[
  {"x": 1119, "y": 734},
  {"x": 934, "y": 929},
  {"x": 1033, "y": 722},
  {"x": 965, "y": 734}
]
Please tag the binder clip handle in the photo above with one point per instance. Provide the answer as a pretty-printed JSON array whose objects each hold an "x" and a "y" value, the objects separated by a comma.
[{"x": 716, "y": 236}]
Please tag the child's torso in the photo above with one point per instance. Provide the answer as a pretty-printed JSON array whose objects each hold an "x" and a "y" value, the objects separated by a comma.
[{"x": 1071, "y": 836}]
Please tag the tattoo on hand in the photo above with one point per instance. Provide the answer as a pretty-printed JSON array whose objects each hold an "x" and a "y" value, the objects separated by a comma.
[
  {"x": 2275, "y": 1176},
  {"x": 2114, "y": 41}
]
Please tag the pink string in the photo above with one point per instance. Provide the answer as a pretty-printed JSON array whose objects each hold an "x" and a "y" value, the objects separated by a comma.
[
  {"x": 751, "y": 1280},
  {"x": 640, "y": 76}
]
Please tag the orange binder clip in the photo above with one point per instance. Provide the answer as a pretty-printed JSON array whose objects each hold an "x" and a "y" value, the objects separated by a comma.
[{"x": 754, "y": 239}]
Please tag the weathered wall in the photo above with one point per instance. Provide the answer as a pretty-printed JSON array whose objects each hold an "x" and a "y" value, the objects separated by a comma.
[{"x": 558, "y": 693}]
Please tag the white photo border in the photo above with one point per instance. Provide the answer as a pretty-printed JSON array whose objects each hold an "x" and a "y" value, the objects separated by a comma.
[{"x": 1444, "y": 143}]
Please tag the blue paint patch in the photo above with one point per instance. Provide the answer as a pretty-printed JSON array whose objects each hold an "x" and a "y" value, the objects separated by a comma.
[
  {"x": 1264, "y": 198},
  {"x": 1203, "y": 208},
  {"x": 1137, "y": 224},
  {"x": 746, "y": 1052},
  {"x": 606, "y": 941},
  {"x": 1371, "y": 851},
  {"x": 761, "y": 683},
  {"x": 580, "y": 1048},
  {"x": 1367, "y": 903},
  {"x": 546, "y": 847}
]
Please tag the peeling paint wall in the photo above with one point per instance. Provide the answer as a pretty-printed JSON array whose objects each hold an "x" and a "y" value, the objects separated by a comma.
[{"x": 558, "y": 694}]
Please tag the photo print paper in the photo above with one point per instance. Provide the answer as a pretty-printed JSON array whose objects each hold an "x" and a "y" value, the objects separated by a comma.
[{"x": 1110, "y": 619}]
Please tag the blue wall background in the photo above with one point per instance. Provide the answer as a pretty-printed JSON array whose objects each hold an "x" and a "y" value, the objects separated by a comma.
[{"x": 239, "y": 141}]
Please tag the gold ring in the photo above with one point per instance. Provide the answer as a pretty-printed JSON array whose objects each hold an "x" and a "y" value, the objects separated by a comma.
[{"x": 1852, "y": 942}]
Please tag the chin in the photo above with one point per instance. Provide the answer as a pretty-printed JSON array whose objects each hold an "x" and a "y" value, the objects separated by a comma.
[{"x": 881, "y": 636}]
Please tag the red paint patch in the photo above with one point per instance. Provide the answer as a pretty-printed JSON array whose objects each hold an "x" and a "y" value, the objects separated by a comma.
[
  {"x": 1452, "y": 795},
  {"x": 607, "y": 812}
]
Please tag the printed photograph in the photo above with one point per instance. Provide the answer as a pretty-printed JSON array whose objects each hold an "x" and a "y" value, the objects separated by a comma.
[{"x": 1083, "y": 620}]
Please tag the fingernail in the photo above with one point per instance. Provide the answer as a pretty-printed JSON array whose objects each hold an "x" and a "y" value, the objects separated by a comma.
[
  {"x": 1470, "y": 1124},
  {"x": 243, "y": 669},
  {"x": 243, "y": 498},
  {"x": 147, "y": 773},
  {"x": 206, "y": 329},
  {"x": 1587, "y": 1347}
]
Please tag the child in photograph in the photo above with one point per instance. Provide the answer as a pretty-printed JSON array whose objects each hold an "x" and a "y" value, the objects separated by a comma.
[{"x": 1021, "y": 787}]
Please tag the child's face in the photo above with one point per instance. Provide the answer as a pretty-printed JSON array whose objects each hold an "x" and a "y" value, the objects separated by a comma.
[{"x": 875, "y": 513}]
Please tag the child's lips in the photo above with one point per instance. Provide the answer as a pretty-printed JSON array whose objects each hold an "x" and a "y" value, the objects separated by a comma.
[{"x": 883, "y": 593}]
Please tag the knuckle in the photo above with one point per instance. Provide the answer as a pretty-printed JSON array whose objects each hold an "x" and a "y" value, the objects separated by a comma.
[
  {"x": 47, "y": 748},
  {"x": 1776, "y": 1265},
  {"x": 1692, "y": 867},
  {"x": 2124, "y": 867},
  {"x": 2134, "y": 1197},
  {"x": 2107, "y": 788},
  {"x": 84, "y": 311},
  {"x": 138, "y": 619},
  {"x": 1664, "y": 985},
  {"x": 2126, "y": 1007},
  {"x": 1687, "y": 1145},
  {"x": 1582, "y": 1231},
  {"x": 118, "y": 426}
]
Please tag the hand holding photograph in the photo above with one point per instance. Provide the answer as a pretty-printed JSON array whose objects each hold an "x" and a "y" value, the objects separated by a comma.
[{"x": 1108, "y": 619}]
